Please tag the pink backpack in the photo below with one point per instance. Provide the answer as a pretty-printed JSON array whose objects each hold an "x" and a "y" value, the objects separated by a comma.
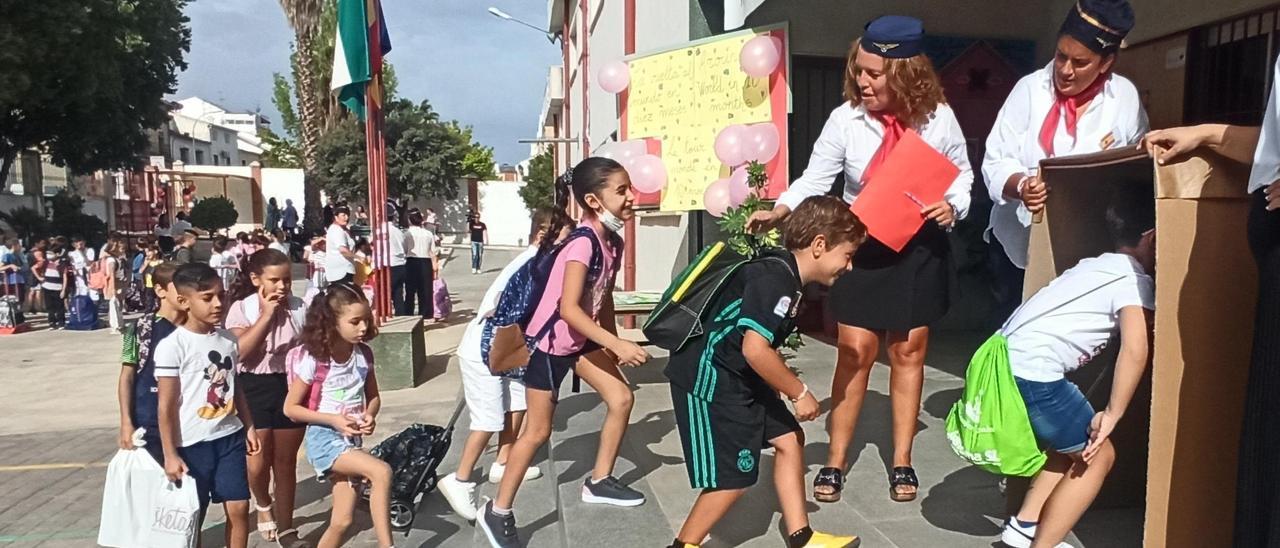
[{"x": 296, "y": 355}]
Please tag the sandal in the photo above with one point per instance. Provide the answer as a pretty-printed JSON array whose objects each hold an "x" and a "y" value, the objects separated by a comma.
[
  {"x": 903, "y": 476},
  {"x": 832, "y": 479},
  {"x": 297, "y": 541},
  {"x": 266, "y": 528}
]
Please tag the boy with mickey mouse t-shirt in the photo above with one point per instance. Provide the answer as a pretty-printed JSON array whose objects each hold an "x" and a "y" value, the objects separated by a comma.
[{"x": 205, "y": 426}]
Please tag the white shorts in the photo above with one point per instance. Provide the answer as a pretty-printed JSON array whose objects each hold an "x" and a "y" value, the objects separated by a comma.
[{"x": 489, "y": 397}]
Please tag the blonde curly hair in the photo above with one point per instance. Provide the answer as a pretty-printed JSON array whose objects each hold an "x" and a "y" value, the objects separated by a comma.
[{"x": 914, "y": 83}]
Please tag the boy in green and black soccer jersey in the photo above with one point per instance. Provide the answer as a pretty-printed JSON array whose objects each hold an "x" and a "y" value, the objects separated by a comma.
[{"x": 725, "y": 385}]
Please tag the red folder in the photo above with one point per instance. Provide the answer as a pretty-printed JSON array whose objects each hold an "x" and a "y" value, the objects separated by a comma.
[{"x": 914, "y": 171}]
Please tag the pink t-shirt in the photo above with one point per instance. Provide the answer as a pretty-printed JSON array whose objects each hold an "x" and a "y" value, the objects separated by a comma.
[
  {"x": 282, "y": 337},
  {"x": 563, "y": 340}
]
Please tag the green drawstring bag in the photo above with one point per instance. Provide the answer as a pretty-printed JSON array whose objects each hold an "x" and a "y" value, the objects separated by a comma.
[{"x": 989, "y": 425}]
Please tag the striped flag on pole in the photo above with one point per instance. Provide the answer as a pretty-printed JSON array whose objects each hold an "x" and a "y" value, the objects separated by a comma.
[{"x": 360, "y": 44}]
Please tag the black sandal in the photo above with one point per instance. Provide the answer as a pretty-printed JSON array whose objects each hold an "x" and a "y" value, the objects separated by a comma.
[
  {"x": 903, "y": 475},
  {"x": 828, "y": 477}
]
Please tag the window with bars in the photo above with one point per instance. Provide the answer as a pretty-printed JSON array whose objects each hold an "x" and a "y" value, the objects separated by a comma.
[{"x": 1229, "y": 69}]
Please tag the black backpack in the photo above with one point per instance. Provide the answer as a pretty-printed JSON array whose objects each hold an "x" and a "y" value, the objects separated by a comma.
[{"x": 679, "y": 314}]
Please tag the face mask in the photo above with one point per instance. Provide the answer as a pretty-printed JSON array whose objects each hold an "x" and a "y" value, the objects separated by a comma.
[{"x": 611, "y": 221}]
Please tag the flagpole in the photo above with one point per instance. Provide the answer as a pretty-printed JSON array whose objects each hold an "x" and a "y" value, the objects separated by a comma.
[{"x": 375, "y": 154}]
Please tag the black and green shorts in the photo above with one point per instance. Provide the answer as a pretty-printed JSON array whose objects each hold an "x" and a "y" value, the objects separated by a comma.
[{"x": 722, "y": 441}]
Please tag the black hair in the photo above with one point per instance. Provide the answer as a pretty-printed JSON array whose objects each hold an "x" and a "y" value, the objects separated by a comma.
[
  {"x": 342, "y": 210},
  {"x": 1130, "y": 214},
  {"x": 243, "y": 287},
  {"x": 196, "y": 277},
  {"x": 590, "y": 175},
  {"x": 415, "y": 217}
]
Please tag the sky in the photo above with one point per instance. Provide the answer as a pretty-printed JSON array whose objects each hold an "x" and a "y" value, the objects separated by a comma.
[{"x": 474, "y": 68}]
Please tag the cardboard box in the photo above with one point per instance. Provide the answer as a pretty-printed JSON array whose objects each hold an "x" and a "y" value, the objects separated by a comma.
[{"x": 1177, "y": 443}]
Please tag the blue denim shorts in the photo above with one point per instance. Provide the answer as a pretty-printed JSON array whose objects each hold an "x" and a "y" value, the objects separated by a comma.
[
  {"x": 324, "y": 446},
  {"x": 1059, "y": 413}
]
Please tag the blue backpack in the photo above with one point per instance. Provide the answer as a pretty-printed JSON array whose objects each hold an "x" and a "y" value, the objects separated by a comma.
[{"x": 504, "y": 344}]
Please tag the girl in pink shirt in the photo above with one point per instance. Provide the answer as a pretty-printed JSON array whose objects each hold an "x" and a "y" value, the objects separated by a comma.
[
  {"x": 575, "y": 325},
  {"x": 268, "y": 321}
]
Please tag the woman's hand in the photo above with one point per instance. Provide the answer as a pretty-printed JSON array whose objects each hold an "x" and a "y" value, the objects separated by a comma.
[
  {"x": 942, "y": 213},
  {"x": 1166, "y": 145},
  {"x": 1034, "y": 194},
  {"x": 762, "y": 221}
]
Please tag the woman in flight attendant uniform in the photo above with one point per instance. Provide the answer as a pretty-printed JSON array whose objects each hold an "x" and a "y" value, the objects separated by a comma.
[
  {"x": 890, "y": 297},
  {"x": 1074, "y": 105}
]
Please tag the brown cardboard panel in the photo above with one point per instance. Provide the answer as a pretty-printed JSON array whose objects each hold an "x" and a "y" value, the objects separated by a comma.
[
  {"x": 1202, "y": 177},
  {"x": 1205, "y": 293},
  {"x": 1073, "y": 226}
]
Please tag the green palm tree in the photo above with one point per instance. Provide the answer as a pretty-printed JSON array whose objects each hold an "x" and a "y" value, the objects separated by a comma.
[{"x": 306, "y": 18}]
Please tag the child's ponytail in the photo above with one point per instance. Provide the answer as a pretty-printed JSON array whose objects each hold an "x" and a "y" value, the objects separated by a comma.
[{"x": 560, "y": 216}]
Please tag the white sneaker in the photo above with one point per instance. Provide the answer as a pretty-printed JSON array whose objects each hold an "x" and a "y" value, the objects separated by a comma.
[
  {"x": 461, "y": 496},
  {"x": 1017, "y": 536},
  {"x": 496, "y": 471}
]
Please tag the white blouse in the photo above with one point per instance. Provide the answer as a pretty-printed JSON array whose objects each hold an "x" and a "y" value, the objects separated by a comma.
[
  {"x": 1266, "y": 158},
  {"x": 1115, "y": 118},
  {"x": 851, "y": 138}
]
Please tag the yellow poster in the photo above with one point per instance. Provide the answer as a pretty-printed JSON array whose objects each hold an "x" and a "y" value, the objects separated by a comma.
[{"x": 683, "y": 98}]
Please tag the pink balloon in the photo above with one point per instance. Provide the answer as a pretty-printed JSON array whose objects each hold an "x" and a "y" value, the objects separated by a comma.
[
  {"x": 760, "y": 56},
  {"x": 739, "y": 188},
  {"x": 716, "y": 198},
  {"x": 731, "y": 146},
  {"x": 614, "y": 76},
  {"x": 648, "y": 173},
  {"x": 763, "y": 142}
]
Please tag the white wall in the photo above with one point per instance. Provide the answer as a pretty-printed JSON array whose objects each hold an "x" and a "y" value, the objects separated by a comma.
[
  {"x": 661, "y": 243},
  {"x": 502, "y": 209},
  {"x": 285, "y": 184},
  {"x": 606, "y": 45},
  {"x": 661, "y": 24}
]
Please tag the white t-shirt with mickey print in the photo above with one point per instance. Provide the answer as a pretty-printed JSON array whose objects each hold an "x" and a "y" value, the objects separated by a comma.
[{"x": 204, "y": 364}]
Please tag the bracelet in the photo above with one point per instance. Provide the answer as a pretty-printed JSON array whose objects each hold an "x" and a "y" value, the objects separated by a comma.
[
  {"x": 803, "y": 393},
  {"x": 1022, "y": 183}
]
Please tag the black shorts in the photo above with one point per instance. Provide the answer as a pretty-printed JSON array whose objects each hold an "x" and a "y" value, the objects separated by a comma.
[
  {"x": 265, "y": 394},
  {"x": 722, "y": 441},
  {"x": 547, "y": 371}
]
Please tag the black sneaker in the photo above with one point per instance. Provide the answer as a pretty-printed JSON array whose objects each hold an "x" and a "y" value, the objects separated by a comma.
[
  {"x": 610, "y": 491},
  {"x": 500, "y": 530}
]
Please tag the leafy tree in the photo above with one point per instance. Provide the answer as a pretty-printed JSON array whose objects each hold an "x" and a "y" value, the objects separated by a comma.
[
  {"x": 539, "y": 184},
  {"x": 27, "y": 222},
  {"x": 425, "y": 156},
  {"x": 82, "y": 80},
  {"x": 213, "y": 214},
  {"x": 279, "y": 151},
  {"x": 67, "y": 218},
  {"x": 478, "y": 163}
]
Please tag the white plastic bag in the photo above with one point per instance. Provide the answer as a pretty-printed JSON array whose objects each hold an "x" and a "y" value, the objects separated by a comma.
[
  {"x": 175, "y": 515},
  {"x": 132, "y": 480}
]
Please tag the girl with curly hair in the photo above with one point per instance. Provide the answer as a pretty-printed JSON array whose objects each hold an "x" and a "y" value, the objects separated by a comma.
[
  {"x": 890, "y": 297},
  {"x": 335, "y": 392}
]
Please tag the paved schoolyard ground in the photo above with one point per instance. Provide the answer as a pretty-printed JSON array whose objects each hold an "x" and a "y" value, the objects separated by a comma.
[{"x": 62, "y": 418}]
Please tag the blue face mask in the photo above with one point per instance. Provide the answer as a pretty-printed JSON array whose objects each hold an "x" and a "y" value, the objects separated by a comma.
[{"x": 611, "y": 221}]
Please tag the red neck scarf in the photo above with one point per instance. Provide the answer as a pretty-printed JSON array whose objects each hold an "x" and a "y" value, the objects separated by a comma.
[
  {"x": 1067, "y": 107},
  {"x": 893, "y": 130}
]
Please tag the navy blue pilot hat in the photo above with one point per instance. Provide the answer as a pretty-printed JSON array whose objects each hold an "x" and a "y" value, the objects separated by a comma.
[
  {"x": 1099, "y": 24},
  {"x": 894, "y": 37}
]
